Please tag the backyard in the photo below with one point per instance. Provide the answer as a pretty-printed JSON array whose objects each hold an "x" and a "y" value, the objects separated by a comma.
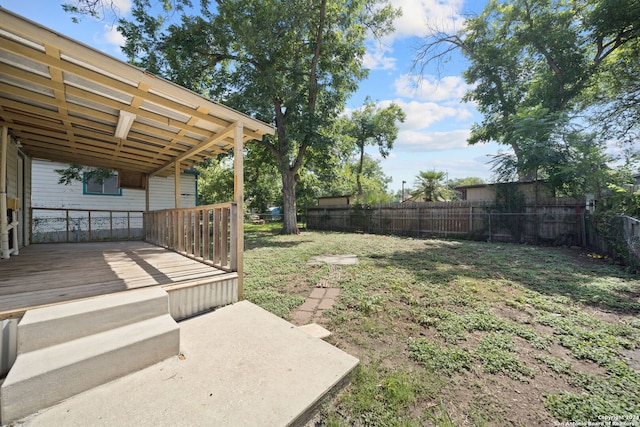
[{"x": 460, "y": 332}]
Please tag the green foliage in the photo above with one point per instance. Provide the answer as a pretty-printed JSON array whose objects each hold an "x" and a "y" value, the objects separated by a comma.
[
  {"x": 276, "y": 302},
  {"x": 371, "y": 125},
  {"x": 537, "y": 70},
  {"x": 81, "y": 174},
  {"x": 439, "y": 358},
  {"x": 215, "y": 181},
  {"x": 622, "y": 198},
  {"x": 600, "y": 397},
  {"x": 380, "y": 396},
  {"x": 430, "y": 185},
  {"x": 496, "y": 351}
]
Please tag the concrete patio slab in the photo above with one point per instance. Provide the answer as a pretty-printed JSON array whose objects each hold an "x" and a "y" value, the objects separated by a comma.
[{"x": 240, "y": 366}]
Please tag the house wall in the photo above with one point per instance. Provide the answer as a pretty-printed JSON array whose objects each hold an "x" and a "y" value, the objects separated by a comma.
[
  {"x": 61, "y": 225},
  {"x": 488, "y": 192},
  {"x": 47, "y": 193},
  {"x": 480, "y": 194},
  {"x": 333, "y": 201}
]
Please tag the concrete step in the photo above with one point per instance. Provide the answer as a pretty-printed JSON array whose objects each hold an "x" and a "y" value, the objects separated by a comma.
[
  {"x": 44, "y": 377},
  {"x": 69, "y": 348},
  {"x": 240, "y": 366},
  {"x": 57, "y": 324}
]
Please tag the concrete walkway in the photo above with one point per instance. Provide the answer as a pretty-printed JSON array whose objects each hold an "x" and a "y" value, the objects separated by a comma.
[{"x": 240, "y": 366}]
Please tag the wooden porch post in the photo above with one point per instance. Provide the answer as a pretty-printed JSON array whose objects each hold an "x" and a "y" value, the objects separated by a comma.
[
  {"x": 4, "y": 226},
  {"x": 146, "y": 193},
  {"x": 177, "y": 185},
  {"x": 238, "y": 192}
]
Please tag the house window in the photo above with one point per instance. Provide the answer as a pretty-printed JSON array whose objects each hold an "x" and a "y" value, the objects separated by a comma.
[{"x": 109, "y": 187}]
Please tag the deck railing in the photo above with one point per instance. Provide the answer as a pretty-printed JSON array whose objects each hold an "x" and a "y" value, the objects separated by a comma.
[
  {"x": 205, "y": 233},
  {"x": 55, "y": 225}
]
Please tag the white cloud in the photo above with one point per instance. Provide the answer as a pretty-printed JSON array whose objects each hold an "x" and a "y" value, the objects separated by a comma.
[
  {"x": 410, "y": 140},
  {"x": 124, "y": 6},
  {"x": 113, "y": 9},
  {"x": 431, "y": 88},
  {"x": 376, "y": 57},
  {"x": 421, "y": 115},
  {"x": 113, "y": 37},
  {"x": 418, "y": 17}
]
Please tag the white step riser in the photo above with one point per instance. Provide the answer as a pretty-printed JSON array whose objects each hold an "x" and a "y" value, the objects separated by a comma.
[
  {"x": 45, "y": 377},
  {"x": 61, "y": 323}
]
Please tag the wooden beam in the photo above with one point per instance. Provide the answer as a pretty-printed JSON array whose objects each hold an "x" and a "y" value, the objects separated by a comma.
[
  {"x": 111, "y": 66},
  {"x": 4, "y": 223},
  {"x": 202, "y": 146},
  {"x": 238, "y": 192},
  {"x": 177, "y": 184}
]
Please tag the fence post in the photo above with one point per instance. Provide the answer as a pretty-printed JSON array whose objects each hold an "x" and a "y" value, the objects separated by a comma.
[
  {"x": 490, "y": 236},
  {"x": 470, "y": 220},
  {"x": 583, "y": 226}
]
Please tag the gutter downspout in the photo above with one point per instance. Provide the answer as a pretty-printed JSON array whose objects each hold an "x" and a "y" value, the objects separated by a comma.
[{"x": 4, "y": 226}]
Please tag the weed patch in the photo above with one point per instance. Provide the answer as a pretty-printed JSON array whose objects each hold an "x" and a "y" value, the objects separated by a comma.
[
  {"x": 445, "y": 359},
  {"x": 497, "y": 354}
]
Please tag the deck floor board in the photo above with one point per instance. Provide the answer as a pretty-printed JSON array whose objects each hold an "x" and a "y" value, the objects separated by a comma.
[{"x": 51, "y": 273}]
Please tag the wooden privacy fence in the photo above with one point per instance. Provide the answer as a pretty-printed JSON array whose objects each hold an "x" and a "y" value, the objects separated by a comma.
[
  {"x": 54, "y": 225},
  {"x": 559, "y": 221},
  {"x": 205, "y": 233}
]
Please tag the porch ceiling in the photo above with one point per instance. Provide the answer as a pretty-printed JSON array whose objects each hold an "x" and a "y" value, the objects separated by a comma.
[{"x": 63, "y": 100}]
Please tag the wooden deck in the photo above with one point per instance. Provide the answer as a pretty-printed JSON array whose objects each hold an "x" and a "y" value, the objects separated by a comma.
[{"x": 45, "y": 274}]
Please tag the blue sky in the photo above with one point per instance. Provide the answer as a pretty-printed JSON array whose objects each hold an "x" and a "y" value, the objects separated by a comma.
[{"x": 437, "y": 126}]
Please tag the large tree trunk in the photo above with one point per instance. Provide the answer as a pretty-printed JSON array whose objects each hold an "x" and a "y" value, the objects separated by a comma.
[{"x": 289, "y": 181}]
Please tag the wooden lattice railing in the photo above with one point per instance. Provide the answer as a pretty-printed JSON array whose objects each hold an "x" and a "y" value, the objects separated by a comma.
[{"x": 205, "y": 233}]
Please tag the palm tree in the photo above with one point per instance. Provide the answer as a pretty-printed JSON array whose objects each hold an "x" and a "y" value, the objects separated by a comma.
[{"x": 430, "y": 185}]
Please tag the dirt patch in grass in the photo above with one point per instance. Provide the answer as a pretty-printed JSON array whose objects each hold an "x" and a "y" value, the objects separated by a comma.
[{"x": 463, "y": 333}]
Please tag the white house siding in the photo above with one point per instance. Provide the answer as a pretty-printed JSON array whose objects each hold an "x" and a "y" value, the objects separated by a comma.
[{"x": 52, "y": 225}]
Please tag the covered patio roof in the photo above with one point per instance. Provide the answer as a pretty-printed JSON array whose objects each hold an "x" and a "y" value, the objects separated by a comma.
[{"x": 65, "y": 101}]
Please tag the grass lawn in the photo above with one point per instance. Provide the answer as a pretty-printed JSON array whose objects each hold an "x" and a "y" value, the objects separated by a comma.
[{"x": 463, "y": 333}]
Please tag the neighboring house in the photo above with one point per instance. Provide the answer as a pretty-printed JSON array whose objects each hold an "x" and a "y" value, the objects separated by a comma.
[
  {"x": 487, "y": 192},
  {"x": 54, "y": 203},
  {"x": 336, "y": 200}
]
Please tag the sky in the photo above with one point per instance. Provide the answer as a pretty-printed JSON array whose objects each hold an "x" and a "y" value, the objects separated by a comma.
[{"x": 438, "y": 123}]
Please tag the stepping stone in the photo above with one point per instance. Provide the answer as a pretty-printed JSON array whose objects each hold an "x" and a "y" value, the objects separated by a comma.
[
  {"x": 333, "y": 259},
  {"x": 315, "y": 330}
]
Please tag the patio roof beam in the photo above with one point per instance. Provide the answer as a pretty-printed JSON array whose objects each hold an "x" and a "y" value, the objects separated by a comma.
[
  {"x": 4, "y": 223},
  {"x": 64, "y": 100},
  {"x": 197, "y": 149}
]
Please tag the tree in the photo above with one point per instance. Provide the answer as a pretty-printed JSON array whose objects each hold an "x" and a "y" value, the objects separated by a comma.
[
  {"x": 215, "y": 181},
  {"x": 617, "y": 95},
  {"x": 531, "y": 61},
  {"x": 291, "y": 63},
  {"x": 430, "y": 184},
  {"x": 372, "y": 125}
]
